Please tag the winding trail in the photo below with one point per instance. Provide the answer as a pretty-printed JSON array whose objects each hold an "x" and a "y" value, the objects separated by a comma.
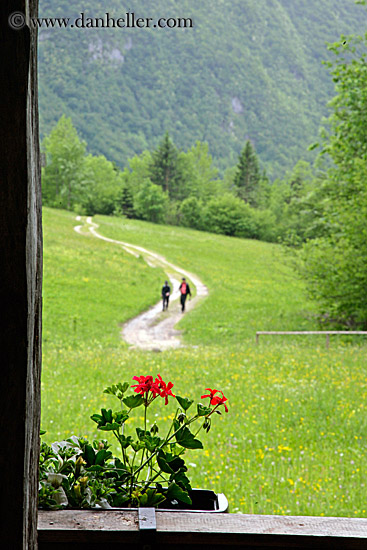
[{"x": 154, "y": 329}]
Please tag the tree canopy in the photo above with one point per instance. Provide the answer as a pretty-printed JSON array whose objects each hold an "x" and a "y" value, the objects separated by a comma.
[{"x": 335, "y": 264}]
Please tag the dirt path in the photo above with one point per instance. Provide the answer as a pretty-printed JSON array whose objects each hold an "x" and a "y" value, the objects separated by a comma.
[{"x": 154, "y": 329}]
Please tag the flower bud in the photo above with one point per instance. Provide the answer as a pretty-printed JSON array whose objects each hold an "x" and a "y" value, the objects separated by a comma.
[
  {"x": 77, "y": 491},
  {"x": 83, "y": 481},
  {"x": 181, "y": 418},
  {"x": 78, "y": 465}
]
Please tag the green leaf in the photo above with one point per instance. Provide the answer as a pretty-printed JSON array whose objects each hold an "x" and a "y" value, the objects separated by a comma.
[
  {"x": 120, "y": 469},
  {"x": 154, "y": 429},
  {"x": 96, "y": 418},
  {"x": 133, "y": 401},
  {"x": 202, "y": 410},
  {"x": 149, "y": 441},
  {"x": 181, "y": 479},
  {"x": 102, "y": 456},
  {"x": 109, "y": 421},
  {"x": 170, "y": 463},
  {"x": 110, "y": 390},
  {"x": 125, "y": 442},
  {"x": 138, "y": 445},
  {"x": 189, "y": 442},
  {"x": 95, "y": 468},
  {"x": 89, "y": 455},
  {"x": 120, "y": 417},
  {"x": 109, "y": 427},
  {"x": 177, "y": 463},
  {"x": 120, "y": 500},
  {"x": 153, "y": 498},
  {"x": 152, "y": 443},
  {"x": 184, "y": 402},
  {"x": 107, "y": 415},
  {"x": 117, "y": 389},
  {"x": 143, "y": 500},
  {"x": 174, "y": 491},
  {"x": 186, "y": 439},
  {"x": 142, "y": 433},
  {"x": 163, "y": 464}
]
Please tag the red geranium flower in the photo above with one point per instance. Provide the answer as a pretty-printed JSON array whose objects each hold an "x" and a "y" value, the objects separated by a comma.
[
  {"x": 145, "y": 385},
  {"x": 216, "y": 399},
  {"x": 164, "y": 389},
  {"x": 157, "y": 387}
]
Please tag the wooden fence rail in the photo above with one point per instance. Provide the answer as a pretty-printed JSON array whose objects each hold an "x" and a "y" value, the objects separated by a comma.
[{"x": 325, "y": 333}]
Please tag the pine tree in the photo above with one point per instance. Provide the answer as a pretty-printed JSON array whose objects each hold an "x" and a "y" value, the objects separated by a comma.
[
  {"x": 247, "y": 177},
  {"x": 165, "y": 169},
  {"x": 127, "y": 203}
]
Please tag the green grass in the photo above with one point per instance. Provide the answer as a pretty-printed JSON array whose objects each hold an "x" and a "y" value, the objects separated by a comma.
[
  {"x": 293, "y": 441},
  {"x": 251, "y": 284},
  {"x": 90, "y": 287}
]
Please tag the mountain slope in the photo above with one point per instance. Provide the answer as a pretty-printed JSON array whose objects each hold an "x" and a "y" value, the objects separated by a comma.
[{"x": 244, "y": 70}]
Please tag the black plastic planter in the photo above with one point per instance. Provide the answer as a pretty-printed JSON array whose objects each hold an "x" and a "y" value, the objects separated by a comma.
[{"x": 202, "y": 501}]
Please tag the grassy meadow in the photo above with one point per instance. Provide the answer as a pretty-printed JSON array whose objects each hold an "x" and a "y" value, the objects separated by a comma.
[{"x": 294, "y": 439}]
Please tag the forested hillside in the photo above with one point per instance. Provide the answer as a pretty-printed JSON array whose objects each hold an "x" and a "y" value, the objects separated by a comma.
[{"x": 245, "y": 70}]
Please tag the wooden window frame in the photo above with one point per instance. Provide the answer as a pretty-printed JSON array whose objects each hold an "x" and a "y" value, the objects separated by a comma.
[{"x": 21, "y": 244}]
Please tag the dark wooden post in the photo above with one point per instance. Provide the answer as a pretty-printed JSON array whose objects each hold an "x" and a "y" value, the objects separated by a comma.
[{"x": 21, "y": 278}]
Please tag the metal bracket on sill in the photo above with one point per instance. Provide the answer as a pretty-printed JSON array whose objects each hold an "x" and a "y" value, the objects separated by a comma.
[{"x": 147, "y": 522}]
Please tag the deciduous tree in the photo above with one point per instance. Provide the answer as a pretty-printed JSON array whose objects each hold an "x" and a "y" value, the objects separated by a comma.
[
  {"x": 61, "y": 177},
  {"x": 335, "y": 265}
]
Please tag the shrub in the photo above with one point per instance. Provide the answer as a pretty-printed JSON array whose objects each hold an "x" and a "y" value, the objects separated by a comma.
[
  {"x": 151, "y": 202},
  {"x": 228, "y": 215},
  {"x": 191, "y": 213}
]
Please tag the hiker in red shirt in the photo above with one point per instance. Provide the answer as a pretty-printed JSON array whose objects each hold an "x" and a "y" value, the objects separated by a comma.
[{"x": 185, "y": 290}]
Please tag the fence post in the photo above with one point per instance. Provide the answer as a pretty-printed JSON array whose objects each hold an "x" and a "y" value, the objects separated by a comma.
[
  {"x": 257, "y": 338},
  {"x": 327, "y": 340}
]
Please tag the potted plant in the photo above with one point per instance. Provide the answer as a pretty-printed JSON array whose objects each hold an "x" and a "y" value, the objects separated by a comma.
[{"x": 151, "y": 470}]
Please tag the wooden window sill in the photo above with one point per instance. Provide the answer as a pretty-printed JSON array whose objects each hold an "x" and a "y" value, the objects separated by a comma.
[{"x": 90, "y": 529}]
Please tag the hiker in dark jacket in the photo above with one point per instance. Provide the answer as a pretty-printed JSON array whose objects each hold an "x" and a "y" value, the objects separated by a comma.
[
  {"x": 185, "y": 290},
  {"x": 166, "y": 291}
]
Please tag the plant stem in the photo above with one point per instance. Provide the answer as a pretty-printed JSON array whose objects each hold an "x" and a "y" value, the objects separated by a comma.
[
  {"x": 148, "y": 474},
  {"x": 124, "y": 457},
  {"x": 159, "y": 474},
  {"x": 165, "y": 443},
  {"x": 169, "y": 431},
  {"x": 145, "y": 429}
]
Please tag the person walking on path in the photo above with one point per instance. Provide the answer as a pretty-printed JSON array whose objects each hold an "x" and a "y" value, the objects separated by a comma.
[
  {"x": 166, "y": 291},
  {"x": 185, "y": 290}
]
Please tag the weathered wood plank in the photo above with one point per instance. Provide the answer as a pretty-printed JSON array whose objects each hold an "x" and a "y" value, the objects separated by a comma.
[
  {"x": 82, "y": 520},
  {"x": 247, "y": 523},
  {"x": 21, "y": 276},
  {"x": 194, "y": 530}
]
